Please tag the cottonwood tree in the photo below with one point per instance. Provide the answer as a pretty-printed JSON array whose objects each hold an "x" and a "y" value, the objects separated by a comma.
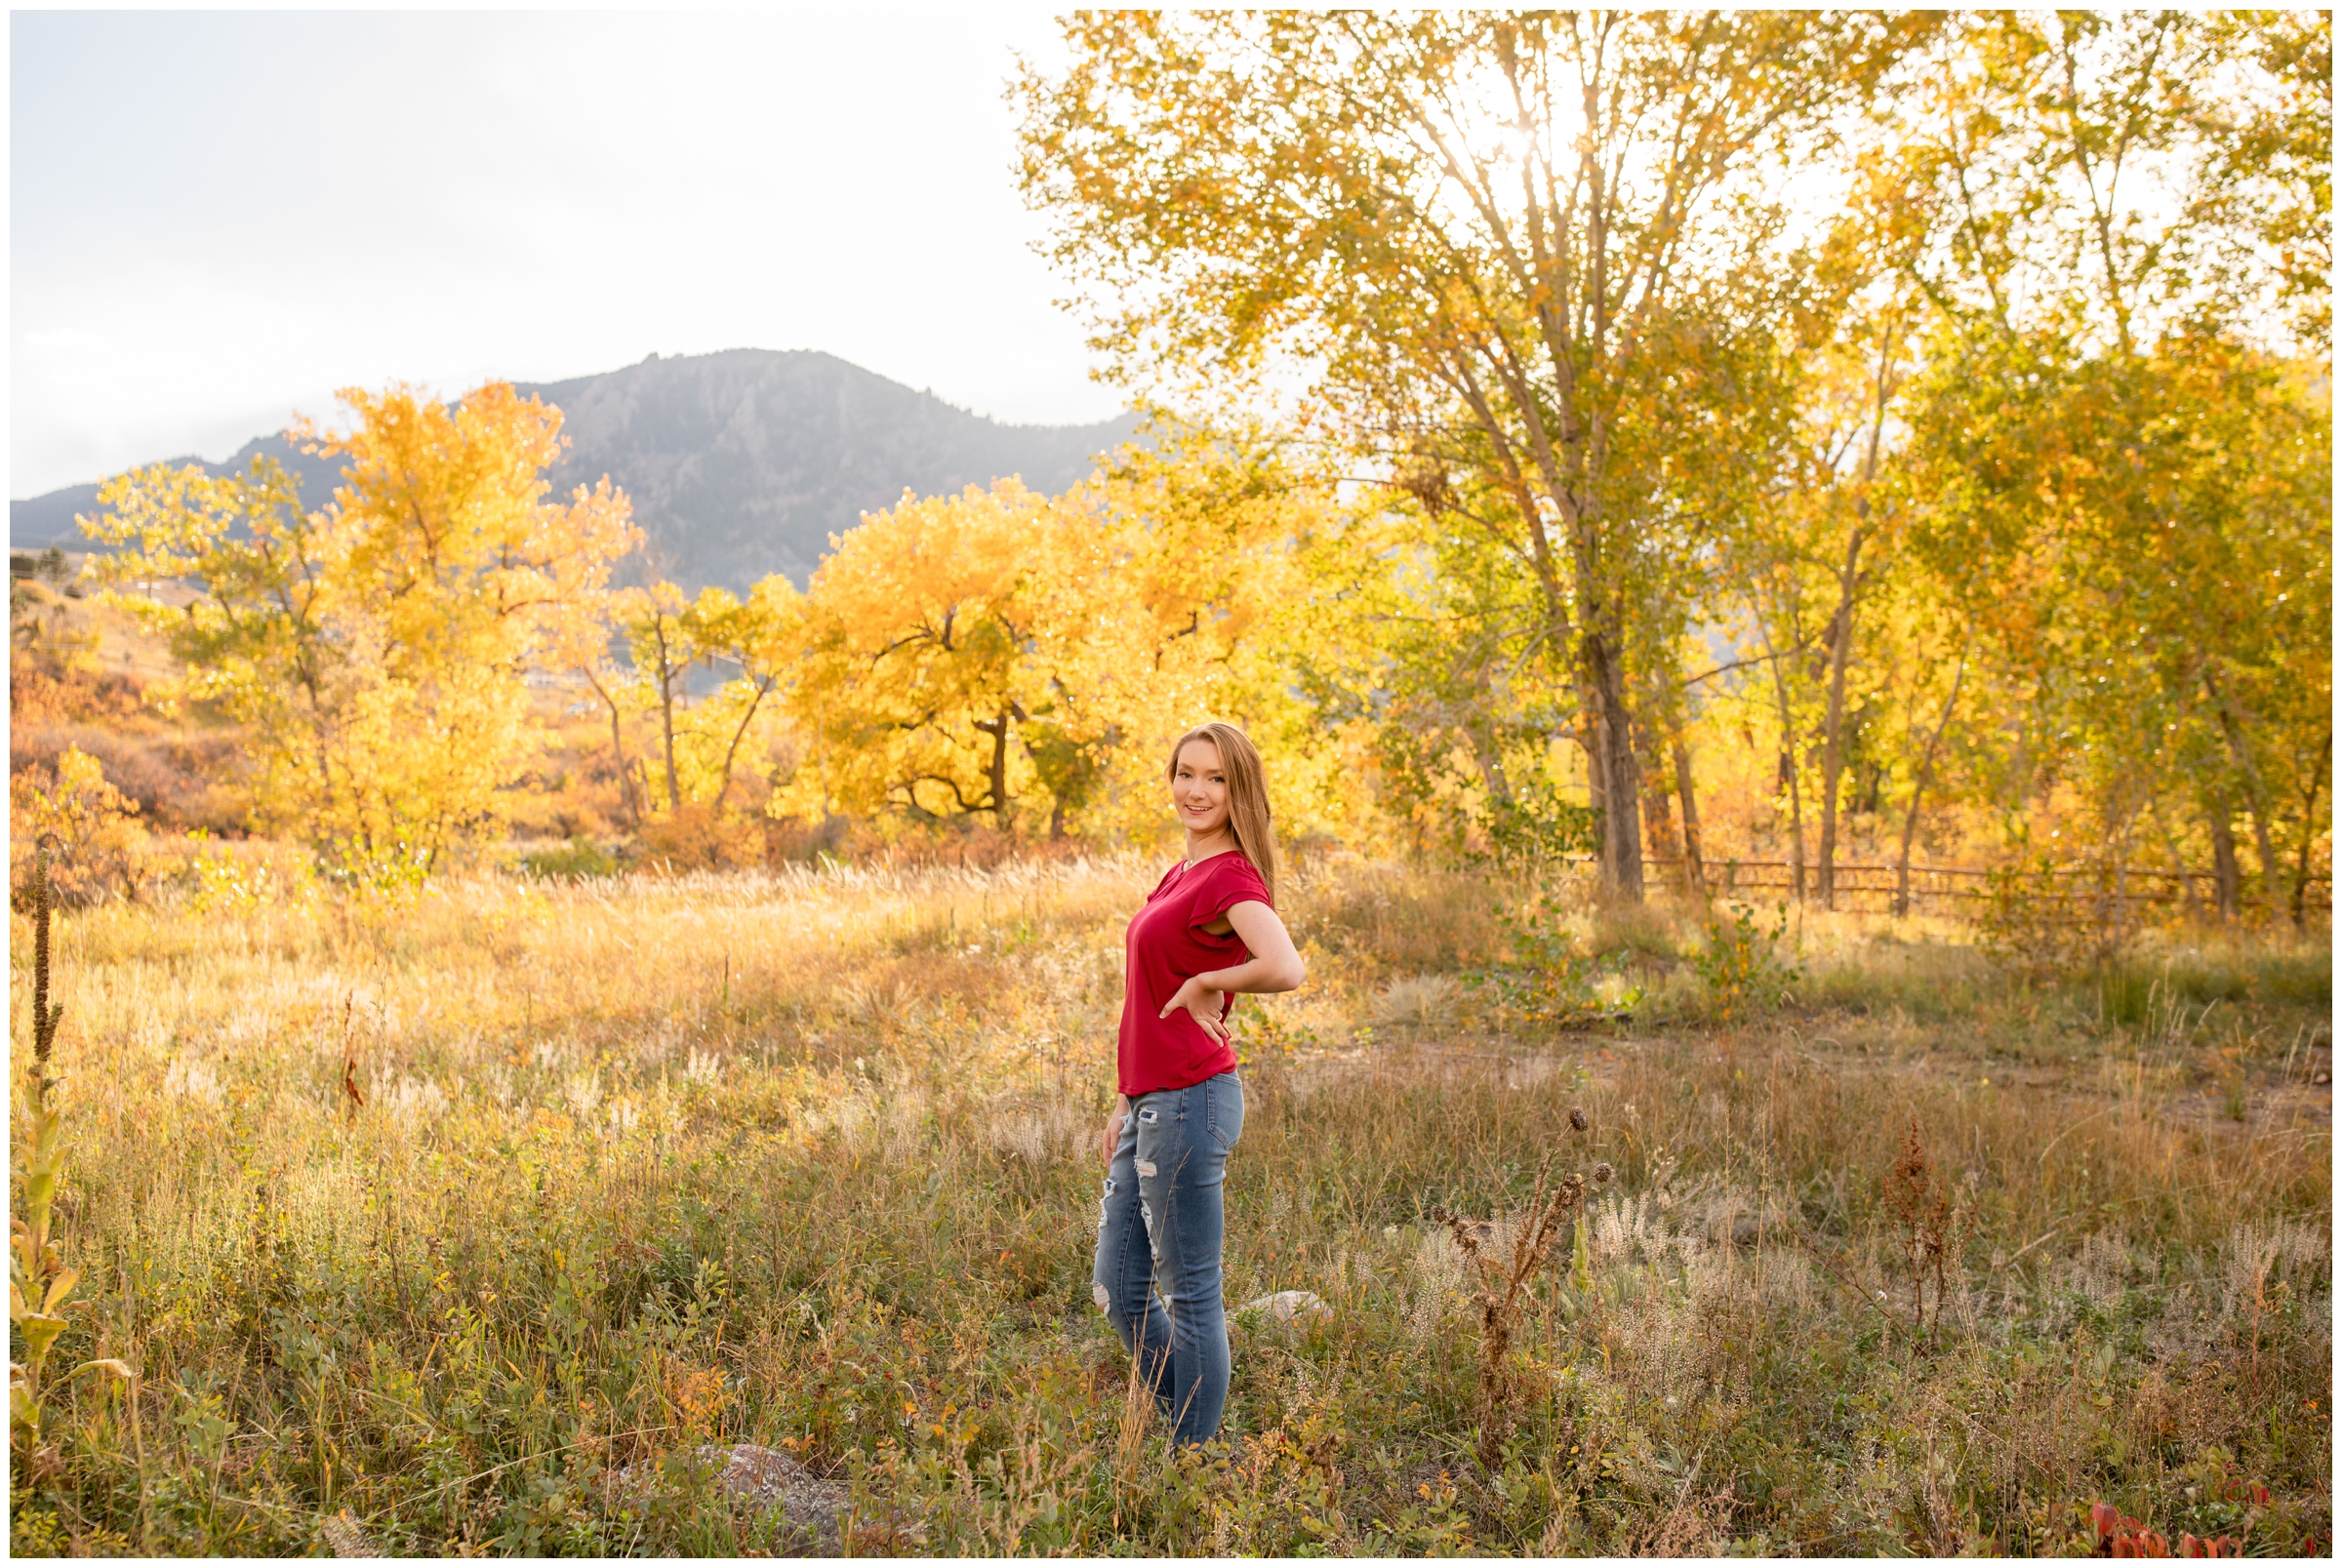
[
  {"x": 661, "y": 656},
  {"x": 2122, "y": 429},
  {"x": 698, "y": 745},
  {"x": 1816, "y": 553},
  {"x": 374, "y": 648},
  {"x": 1213, "y": 525},
  {"x": 1005, "y": 658},
  {"x": 1433, "y": 644},
  {"x": 587, "y": 648},
  {"x": 1530, "y": 249},
  {"x": 759, "y": 638},
  {"x": 943, "y": 638}
]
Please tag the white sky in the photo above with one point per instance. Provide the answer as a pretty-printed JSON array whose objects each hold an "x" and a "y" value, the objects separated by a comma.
[{"x": 216, "y": 218}]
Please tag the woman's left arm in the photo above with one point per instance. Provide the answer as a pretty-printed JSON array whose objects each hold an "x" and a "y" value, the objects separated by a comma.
[{"x": 1274, "y": 966}]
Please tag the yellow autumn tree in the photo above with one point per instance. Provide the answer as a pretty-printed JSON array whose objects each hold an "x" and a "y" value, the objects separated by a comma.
[
  {"x": 375, "y": 649},
  {"x": 950, "y": 650},
  {"x": 753, "y": 642},
  {"x": 1216, "y": 530},
  {"x": 1009, "y": 659},
  {"x": 749, "y": 643},
  {"x": 91, "y": 828}
]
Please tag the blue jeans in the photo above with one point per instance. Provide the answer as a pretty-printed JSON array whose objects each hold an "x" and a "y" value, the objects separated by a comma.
[{"x": 1159, "y": 1229}]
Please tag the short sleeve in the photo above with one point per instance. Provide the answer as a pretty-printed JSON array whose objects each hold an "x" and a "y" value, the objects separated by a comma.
[{"x": 1232, "y": 881}]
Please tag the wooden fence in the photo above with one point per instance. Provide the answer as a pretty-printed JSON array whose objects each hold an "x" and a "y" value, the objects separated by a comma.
[{"x": 1868, "y": 889}]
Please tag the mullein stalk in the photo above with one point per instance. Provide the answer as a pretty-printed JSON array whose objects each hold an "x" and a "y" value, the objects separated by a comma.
[{"x": 40, "y": 1286}]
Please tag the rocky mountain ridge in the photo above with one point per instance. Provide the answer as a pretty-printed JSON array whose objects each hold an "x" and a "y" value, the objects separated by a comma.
[{"x": 738, "y": 464}]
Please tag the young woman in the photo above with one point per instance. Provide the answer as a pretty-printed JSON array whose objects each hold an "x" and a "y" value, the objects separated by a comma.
[{"x": 1208, "y": 931}]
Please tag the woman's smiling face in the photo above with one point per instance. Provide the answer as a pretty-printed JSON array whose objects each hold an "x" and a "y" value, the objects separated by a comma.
[{"x": 1199, "y": 788}]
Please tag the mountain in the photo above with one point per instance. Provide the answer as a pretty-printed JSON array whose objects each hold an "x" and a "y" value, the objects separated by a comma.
[
  {"x": 740, "y": 463},
  {"x": 47, "y": 519}
]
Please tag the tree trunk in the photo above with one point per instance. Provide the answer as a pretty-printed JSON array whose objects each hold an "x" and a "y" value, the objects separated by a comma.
[
  {"x": 1622, "y": 781},
  {"x": 2191, "y": 902},
  {"x": 1492, "y": 768},
  {"x": 995, "y": 772},
  {"x": 1918, "y": 789},
  {"x": 1659, "y": 817},
  {"x": 2227, "y": 879},
  {"x": 618, "y": 753},
  {"x": 1695, "y": 872},
  {"x": 1841, "y": 642},
  {"x": 1911, "y": 822},
  {"x": 2256, "y": 798},
  {"x": 1588, "y": 739},
  {"x": 1789, "y": 764},
  {"x": 999, "y": 775},
  {"x": 2264, "y": 843},
  {"x": 2309, "y": 838},
  {"x": 666, "y": 714},
  {"x": 725, "y": 786}
]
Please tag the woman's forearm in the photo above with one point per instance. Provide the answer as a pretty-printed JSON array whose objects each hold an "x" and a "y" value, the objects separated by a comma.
[{"x": 1259, "y": 977}]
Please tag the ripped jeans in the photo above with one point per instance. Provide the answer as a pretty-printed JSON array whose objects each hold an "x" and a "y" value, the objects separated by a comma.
[{"x": 1159, "y": 1229}]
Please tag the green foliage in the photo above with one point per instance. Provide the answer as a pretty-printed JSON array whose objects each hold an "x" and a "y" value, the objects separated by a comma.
[
  {"x": 1742, "y": 964},
  {"x": 1547, "y": 975},
  {"x": 234, "y": 880},
  {"x": 2126, "y": 995},
  {"x": 2050, "y": 918},
  {"x": 571, "y": 860},
  {"x": 1535, "y": 829},
  {"x": 35, "y": 1531},
  {"x": 1267, "y": 1036}
]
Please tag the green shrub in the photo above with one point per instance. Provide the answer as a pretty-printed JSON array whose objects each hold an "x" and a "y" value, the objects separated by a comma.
[
  {"x": 2125, "y": 992},
  {"x": 578, "y": 857},
  {"x": 2305, "y": 981},
  {"x": 1545, "y": 977},
  {"x": 1741, "y": 965}
]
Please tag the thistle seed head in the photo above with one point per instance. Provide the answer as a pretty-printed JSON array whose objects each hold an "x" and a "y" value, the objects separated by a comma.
[
  {"x": 1603, "y": 1174},
  {"x": 1577, "y": 1118}
]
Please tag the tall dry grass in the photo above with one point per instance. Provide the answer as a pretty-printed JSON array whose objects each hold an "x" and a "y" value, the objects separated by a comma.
[{"x": 806, "y": 1159}]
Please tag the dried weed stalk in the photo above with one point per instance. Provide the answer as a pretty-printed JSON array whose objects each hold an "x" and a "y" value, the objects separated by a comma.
[
  {"x": 1505, "y": 1276},
  {"x": 1927, "y": 1225},
  {"x": 352, "y": 1098},
  {"x": 40, "y": 1285},
  {"x": 45, "y": 1018}
]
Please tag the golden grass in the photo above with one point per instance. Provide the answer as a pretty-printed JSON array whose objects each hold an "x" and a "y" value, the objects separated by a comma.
[{"x": 806, "y": 1158}]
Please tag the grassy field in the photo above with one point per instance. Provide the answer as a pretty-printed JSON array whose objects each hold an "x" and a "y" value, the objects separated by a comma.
[{"x": 1906, "y": 1250}]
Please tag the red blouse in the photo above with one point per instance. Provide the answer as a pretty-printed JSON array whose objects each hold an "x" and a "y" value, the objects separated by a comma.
[{"x": 1166, "y": 945}]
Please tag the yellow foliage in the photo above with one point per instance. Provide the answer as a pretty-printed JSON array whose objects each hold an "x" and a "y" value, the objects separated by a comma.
[
  {"x": 96, "y": 844},
  {"x": 376, "y": 647},
  {"x": 944, "y": 648},
  {"x": 704, "y": 744},
  {"x": 1021, "y": 661}
]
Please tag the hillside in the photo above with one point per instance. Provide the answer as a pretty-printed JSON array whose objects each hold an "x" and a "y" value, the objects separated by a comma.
[{"x": 740, "y": 463}]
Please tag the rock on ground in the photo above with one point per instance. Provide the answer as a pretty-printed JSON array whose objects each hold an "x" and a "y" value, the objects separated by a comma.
[
  {"x": 1290, "y": 1307},
  {"x": 765, "y": 1478}
]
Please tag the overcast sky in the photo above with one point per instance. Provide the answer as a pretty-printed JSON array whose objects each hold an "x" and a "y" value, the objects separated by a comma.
[{"x": 218, "y": 219}]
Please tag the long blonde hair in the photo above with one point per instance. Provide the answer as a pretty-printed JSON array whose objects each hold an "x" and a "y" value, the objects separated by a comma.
[{"x": 1248, "y": 817}]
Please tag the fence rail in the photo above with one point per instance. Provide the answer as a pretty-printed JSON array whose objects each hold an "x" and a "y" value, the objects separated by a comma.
[{"x": 1862, "y": 888}]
